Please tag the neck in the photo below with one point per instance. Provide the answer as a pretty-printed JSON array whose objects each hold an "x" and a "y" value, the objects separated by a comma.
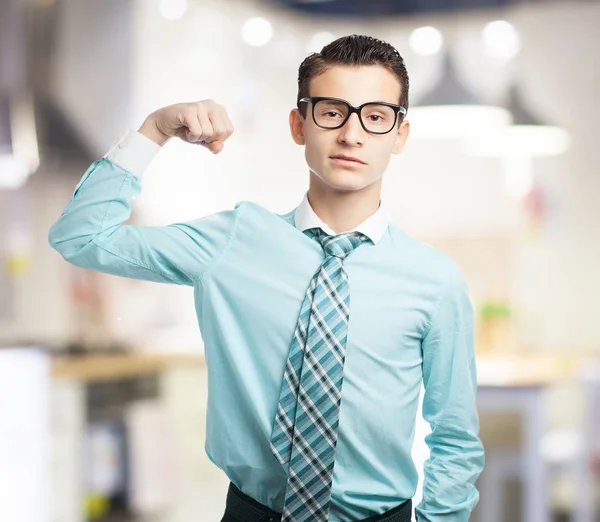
[{"x": 343, "y": 210}]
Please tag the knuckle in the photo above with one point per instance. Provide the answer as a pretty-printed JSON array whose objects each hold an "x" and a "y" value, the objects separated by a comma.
[{"x": 200, "y": 107}]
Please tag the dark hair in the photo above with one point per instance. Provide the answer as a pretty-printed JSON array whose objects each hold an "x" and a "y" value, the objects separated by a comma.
[{"x": 353, "y": 50}]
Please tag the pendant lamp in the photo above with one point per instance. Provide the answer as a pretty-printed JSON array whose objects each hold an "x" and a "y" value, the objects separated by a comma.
[
  {"x": 451, "y": 111},
  {"x": 518, "y": 144},
  {"x": 528, "y": 136}
]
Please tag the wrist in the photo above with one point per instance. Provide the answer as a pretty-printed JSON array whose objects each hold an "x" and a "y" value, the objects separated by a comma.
[{"x": 150, "y": 130}]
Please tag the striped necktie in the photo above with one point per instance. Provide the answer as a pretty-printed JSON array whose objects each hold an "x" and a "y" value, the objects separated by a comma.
[{"x": 305, "y": 432}]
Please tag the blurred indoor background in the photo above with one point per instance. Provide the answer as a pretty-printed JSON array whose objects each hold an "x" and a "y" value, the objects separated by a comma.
[{"x": 102, "y": 379}]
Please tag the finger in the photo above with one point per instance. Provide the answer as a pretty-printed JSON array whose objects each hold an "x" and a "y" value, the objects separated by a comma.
[
  {"x": 218, "y": 125},
  {"x": 225, "y": 131},
  {"x": 205, "y": 124},
  {"x": 193, "y": 127}
]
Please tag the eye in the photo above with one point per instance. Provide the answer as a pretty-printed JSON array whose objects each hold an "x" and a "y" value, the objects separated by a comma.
[
  {"x": 377, "y": 114},
  {"x": 331, "y": 114},
  {"x": 375, "y": 117}
]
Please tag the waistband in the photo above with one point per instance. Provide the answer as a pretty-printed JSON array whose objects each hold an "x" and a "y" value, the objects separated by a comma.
[{"x": 246, "y": 509}]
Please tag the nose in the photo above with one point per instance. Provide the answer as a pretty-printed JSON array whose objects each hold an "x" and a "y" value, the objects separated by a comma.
[{"x": 352, "y": 132}]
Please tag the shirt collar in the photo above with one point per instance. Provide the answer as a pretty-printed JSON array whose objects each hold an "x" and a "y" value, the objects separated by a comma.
[{"x": 373, "y": 227}]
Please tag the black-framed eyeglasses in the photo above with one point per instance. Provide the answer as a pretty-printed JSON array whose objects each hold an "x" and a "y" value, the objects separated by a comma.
[{"x": 333, "y": 113}]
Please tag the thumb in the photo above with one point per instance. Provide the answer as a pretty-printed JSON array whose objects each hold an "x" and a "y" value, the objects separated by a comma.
[{"x": 215, "y": 146}]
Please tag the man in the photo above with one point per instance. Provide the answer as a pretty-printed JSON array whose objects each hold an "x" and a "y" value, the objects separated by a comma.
[{"x": 320, "y": 324}]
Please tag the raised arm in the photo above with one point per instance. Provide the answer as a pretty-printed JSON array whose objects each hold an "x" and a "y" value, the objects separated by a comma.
[{"x": 89, "y": 233}]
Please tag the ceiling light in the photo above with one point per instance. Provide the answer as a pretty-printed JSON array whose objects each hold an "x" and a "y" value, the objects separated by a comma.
[
  {"x": 173, "y": 9},
  {"x": 257, "y": 32},
  {"x": 501, "y": 40},
  {"x": 426, "y": 41}
]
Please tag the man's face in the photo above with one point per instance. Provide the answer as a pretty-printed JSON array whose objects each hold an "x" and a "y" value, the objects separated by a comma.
[{"x": 356, "y": 85}]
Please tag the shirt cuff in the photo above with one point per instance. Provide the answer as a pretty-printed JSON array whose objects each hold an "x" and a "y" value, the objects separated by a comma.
[{"x": 133, "y": 152}]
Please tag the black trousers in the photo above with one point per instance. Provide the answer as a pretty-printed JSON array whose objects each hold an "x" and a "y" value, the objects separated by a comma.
[{"x": 242, "y": 508}]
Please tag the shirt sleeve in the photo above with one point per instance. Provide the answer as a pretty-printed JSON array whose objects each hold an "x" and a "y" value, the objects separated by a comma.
[
  {"x": 90, "y": 234},
  {"x": 449, "y": 405},
  {"x": 133, "y": 152}
]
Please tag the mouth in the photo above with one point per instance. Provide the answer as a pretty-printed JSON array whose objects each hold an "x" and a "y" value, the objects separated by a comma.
[{"x": 347, "y": 160}]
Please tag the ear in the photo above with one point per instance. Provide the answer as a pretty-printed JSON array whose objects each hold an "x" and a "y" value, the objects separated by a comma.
[
  {"x": 297, "y": 127},
  {"x": 401, "y": 137}
]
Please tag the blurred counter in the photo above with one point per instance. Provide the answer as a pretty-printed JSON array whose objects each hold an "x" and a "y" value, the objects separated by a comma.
[
  {"x": 527, "y": 369},
  {"x": 118, "y": 366}
]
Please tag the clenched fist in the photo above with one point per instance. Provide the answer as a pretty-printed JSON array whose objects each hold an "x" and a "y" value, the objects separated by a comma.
[{"x": 204, "y": 122}]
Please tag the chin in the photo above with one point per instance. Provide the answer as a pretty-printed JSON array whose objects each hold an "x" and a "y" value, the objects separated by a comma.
[{"x": 344, "y": 180}]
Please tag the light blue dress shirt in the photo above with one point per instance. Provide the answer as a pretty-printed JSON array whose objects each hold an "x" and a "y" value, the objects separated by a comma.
[{"x": 411, "y": 321}]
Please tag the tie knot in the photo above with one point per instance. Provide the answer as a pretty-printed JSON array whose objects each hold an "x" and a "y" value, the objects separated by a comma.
[{"x": 340, "y": 245}]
